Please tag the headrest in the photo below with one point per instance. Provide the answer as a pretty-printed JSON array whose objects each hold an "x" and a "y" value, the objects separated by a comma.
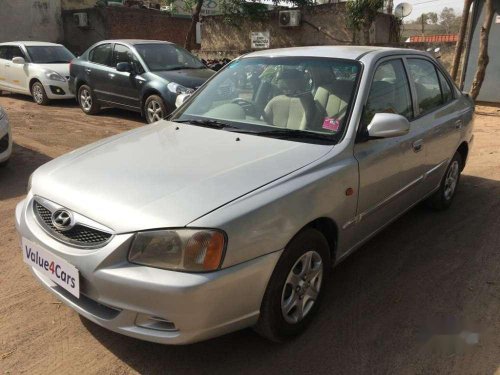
[{"x": 291, "y": 81}]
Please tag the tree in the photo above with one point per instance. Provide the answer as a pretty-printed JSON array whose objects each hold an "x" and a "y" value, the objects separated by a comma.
[
  {"x": 460, "y": 41},
  {"x": 431, "y": 17},
  {"x": 448, "y": 18},
  {"x": 483, "y": 58},
  {"x": 361, "y": 14}
]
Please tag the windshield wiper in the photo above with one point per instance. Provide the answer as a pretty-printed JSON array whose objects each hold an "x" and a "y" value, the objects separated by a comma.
[
  {"x": 57, "y": 62},
  {"x": 207, "y": 123},
  {"x": 294, "y": 134}
]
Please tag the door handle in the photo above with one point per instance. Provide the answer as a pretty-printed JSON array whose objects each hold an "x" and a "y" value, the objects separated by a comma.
[
  {"x": 418, "y": 145},
  {"x": 458, "y": 124},
  {"x": 88, "y": 70},
  {"x": 111, "y": 75}
]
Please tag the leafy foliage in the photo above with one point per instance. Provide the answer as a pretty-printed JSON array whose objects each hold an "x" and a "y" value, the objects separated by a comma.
[{"x": 362, "y": 13}]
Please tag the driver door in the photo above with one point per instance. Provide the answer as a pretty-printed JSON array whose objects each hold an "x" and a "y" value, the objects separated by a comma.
[
  {"x": 18, "y": 73},
  {"x": 390, "y": 169}
]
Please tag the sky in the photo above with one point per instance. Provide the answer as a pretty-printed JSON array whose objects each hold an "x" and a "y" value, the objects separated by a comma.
[{"x": 425, "y": 6}]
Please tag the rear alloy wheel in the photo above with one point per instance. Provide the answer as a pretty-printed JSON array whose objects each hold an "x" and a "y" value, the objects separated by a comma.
[
  {"x": 443, "y": 198},
  {"x": 296, "y": 287},
  {"x": 39, "y": 94},
  {"x": 87, "y": 100},
  {"x": 154, "y": 109}
]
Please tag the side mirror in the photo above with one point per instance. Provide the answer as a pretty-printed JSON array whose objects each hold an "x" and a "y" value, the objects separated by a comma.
[
  {"x": 124, "y": 67},
  {"x": 388, "y": 125},
  {"x": 19, "y": 60},
  {"x": 181, "y": 98}
]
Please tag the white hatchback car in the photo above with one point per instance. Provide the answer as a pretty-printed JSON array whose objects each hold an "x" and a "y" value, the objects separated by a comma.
[
  {"x": 5, "y": 138},
  {"x": 38, "y": 69}
]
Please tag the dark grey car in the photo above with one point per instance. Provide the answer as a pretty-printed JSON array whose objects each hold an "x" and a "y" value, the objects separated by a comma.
[{"x": 139, "y": 75}]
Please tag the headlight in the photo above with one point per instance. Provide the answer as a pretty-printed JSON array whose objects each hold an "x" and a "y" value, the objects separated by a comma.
[
  {"x": 178, "y": 89},
  {"x": 196, "y": 250},
  {"x": 54, "y": 76}
]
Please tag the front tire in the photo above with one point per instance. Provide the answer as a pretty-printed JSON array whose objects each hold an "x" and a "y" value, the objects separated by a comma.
[
  {"x": 39, "y": 94},
  {"x": 296, "y": 287},
  {"x": 442, "y": 199},
  {"x": 87, "y": 100},
  {"x": 154, "y": 109}
]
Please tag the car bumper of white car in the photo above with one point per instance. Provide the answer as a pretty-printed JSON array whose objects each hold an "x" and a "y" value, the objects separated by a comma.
[
  {"x": 5, "y": 139},
  {"x": 57, "y": 90},
  {"x": 153, "y": 304}
]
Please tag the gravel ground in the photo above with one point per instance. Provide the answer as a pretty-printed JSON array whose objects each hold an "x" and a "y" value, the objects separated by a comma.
[{"x": 423, "y": 297}]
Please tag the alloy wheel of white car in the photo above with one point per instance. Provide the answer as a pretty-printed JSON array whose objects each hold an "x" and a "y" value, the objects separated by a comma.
[{"x": 39, "y": 95}]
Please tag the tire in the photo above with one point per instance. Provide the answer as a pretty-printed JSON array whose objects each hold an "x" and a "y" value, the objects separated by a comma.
[
  {"x": 442, "y": 199},
  {"x": 281, "y": 292},
  {"x": 154, "y": 109},
  {"x": 39, "y": 94},
  {"x": 87, "y": 100}
]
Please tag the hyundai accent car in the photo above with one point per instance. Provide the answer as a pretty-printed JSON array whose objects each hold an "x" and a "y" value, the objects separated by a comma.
[
  {"x": 232, "y": 213},
  {"x": 144, "y": 76},
  {"x": 38, "y": 69},
  {"x": 5, "y": 138}
]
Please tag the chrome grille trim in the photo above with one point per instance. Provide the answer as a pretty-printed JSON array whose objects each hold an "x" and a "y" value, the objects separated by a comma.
[{"x": 85, "y": 233}]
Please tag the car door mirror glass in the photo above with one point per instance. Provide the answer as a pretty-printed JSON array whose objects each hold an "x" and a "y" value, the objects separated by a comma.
[
  {"x": 388, "y": 125},
  {"x": 18, "y": 60},
  {"x": 124, "y": 67}
]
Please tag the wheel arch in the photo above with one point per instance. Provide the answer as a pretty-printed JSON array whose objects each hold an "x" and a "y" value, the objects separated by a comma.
[
  {"x": 33, "y": 80},
  {"x": 463, "y": 150},
  {"x": 328, "y": 228}
]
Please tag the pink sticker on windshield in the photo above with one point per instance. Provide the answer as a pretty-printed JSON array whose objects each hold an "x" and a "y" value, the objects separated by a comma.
[{"x": 331, "y": 123}]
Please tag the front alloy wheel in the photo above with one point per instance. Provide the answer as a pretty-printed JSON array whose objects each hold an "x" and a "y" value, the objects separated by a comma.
[
  {"x": 39, "y": 94},
  {"x": 155, "y": 109}
]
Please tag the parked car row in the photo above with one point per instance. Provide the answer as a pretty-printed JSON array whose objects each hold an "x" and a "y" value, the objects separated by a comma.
[
  {"x": 138, "y": 75},
  {"x": 232, "y": 213}
]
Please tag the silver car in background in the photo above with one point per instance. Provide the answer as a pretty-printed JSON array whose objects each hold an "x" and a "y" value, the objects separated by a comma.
[{"x": 232, "y": 213}]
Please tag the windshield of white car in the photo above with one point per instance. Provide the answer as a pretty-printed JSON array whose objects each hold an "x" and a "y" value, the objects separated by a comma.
[
  {"x": 298, "y": 98},
  {"x": 162, "y": 56},
  {"x": 49, "y": 54}
]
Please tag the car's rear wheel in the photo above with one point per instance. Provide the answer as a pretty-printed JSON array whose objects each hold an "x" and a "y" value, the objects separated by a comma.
[
  {"x": 296, "y": 287},
  {"x": 443, "y": 198},
  {"x": 39, "y": 94},
  {"x": 87, "y": 100},
  {"x": 154, "y": 109}
]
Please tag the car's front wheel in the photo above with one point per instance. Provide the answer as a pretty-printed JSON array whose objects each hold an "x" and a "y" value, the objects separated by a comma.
[
  {"x": 443, "y": 198},
  {"x": 39, "y": 94},
  {"x": 87, "y": 100},
  {"x": 296, "y": 287},
  {"x": 154, "y": 109}
]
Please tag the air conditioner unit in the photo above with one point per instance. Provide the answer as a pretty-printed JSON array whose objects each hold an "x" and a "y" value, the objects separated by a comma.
[
  {"x": 81, "y": 19},
  {"x": 289, "y": 18}
]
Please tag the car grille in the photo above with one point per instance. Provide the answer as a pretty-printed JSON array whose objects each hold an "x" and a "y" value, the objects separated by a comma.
[{"x": 79, "y": 235}]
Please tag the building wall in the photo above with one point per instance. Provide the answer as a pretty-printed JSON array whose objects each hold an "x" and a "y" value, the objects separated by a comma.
[
  {"x": 77, "y": 4},
  {"x": 489, "y": 90},
  {"x": 321, "y": 25},
  {"x": 30, "y": 20},
  {"x": 122, "y": 23}
]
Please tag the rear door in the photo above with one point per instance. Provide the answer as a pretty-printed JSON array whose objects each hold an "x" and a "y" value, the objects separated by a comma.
[
  {"x": 3, "y": 62},
  {"x": 97, "y": 70},
  {"x": 13, "y": 76},
  {"x": 437, "y": 114}
]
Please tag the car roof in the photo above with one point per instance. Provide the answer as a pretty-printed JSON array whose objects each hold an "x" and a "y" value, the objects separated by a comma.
[
  {"x": 134, "y": 41},
  {"x": 30, "y": 43},
  {"x": 342, "y": 52}
]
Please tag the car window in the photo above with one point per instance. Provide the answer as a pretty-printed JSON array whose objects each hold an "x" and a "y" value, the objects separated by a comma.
[
  {"x": 423, "y": 73},
  {"x": 122, "y": 53},
  {"x": 101, "y": 54},
  {"x": 287, "y": 93},
  {"x": 389, "y": 92},
  {"x": 163, "y": 56},
  {"x": 9, "y": 52},
  {"x": 445, "y": 88},
  {"x": 49, "y": 54}
]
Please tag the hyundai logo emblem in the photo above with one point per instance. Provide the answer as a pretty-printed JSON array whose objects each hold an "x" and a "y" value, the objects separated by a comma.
[{"x": 62, "y": 220}]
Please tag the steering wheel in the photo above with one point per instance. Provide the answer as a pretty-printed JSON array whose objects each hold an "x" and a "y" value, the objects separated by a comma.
[{"x": 247, "y": 105}]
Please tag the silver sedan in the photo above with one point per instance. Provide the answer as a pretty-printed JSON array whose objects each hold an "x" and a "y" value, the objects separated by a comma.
[{"x": 233, "y": 212}]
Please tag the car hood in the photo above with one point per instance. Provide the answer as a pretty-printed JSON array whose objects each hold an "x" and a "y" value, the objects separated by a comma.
[
  {"x": 166, "y": 174},
  {"x": 62, "y": 69},
  {"x": 191, "y": 78}
]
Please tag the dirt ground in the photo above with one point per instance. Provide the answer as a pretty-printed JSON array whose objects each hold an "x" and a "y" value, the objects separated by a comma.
[{"x": 423, "y": 297}]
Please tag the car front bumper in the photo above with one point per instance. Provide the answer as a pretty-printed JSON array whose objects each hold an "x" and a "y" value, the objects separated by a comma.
[
  {"x": 57, "y": 89},
  {"x": 5, "y": 139},
  {"x": 128, "y": 298}
]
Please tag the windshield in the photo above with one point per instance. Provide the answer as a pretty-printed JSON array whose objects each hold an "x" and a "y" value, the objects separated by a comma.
[
  {"x": 50, "y": 54},
  {"x": 160, "y": 56},
  {"x": 303, "y": 97}
]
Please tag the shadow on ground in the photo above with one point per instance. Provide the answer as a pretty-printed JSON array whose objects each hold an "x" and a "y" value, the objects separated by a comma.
[
  {"x": 397, "y": 305},
  {"x": 14, "y": 177}
]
